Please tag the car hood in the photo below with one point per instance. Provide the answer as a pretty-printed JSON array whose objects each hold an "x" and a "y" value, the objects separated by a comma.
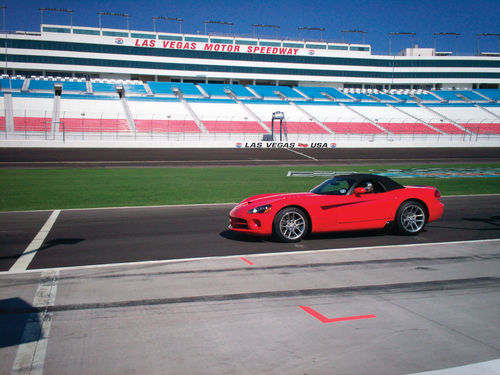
[{"x": 270, "y": 198}]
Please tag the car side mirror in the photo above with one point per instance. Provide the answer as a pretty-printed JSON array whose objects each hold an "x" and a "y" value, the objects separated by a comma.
[{"x": 359, "y": 191}]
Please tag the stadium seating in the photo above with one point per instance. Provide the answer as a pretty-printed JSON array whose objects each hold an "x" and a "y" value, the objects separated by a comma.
[
  {"x": 491, "y": 94},
  {"x": 317, "y": 93},
  {"x": 296, "y": 121},
  {"x": 134, "y": 89},
  {"x": 87, "y": 114},
  {"x": 32, "y": 112},
  {"x": 14, "y": 84},
  {"x": 339, "y": 119},
  {"x": 427, "y": 97},
  {"x": 225, "y": 116},
  {"x": 103, "y": 88},
  {"x": 207, "y": 108},
  {"x": 215, "y": 89},
  {"x": 270, "y": 91},
  {"x": 165, "y": 115},
  {"x": 160, "y": 88},
  {"x": 384, "y": 97}
]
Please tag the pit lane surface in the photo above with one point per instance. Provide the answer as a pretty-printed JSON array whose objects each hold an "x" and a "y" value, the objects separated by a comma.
[
  {"x": 426, "y": 305},
  {"x": 103, "y": 236}
]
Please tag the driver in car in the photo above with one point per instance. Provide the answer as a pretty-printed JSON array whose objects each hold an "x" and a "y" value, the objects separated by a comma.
[{"x": 368, "y": 187}]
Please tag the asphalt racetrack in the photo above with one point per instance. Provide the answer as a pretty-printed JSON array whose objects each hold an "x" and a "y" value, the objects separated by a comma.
[
  {"x": 171, "y": 290},
  {"x": 104, "y": 236},
  {"x": 181, "y": 157}
]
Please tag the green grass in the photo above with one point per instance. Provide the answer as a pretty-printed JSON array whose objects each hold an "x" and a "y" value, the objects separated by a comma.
[{"x": 37, "y": 189}]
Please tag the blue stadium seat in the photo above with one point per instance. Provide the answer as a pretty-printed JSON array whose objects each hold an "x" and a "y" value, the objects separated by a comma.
[
  {"x": 490, "y": 93},
  {"x": 316, "y": 92},
  {"x": 361, "y": 97},
  {"x": 452, "y": 95},
  {"x": 403, "y": 97},
  {"x": 427, "y": 97},
  {"x": 134, "y": 89},
  {"x": 268, "y": 91},
  {"x": 41, "y": 85},
  {"x": 15, "y": 84},
  {"x": 217, "y": 89},
  {"x": 74, "y": 86},
  {"x": 103, "y": 87},
  {"x": 384, "y": 97},
  {"x": 166, "y": 88}
]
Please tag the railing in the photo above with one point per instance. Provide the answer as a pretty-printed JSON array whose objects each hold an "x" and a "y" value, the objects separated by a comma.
[{"x": 39, "y": 125}]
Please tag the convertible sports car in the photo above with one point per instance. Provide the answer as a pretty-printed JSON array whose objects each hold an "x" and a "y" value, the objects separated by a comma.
[{"x": 342, "y": 203}]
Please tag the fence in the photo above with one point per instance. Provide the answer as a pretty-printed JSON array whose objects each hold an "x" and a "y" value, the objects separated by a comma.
[{"x": 42, "y": 125}]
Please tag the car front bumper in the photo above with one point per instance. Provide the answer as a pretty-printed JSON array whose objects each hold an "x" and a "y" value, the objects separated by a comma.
[{"x": 257, "y": 224}]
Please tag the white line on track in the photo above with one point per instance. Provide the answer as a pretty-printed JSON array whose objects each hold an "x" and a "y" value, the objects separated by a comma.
[
  {"x": 300, "y": 153},
  {"x": 30, "y": 357},
  {"x": 304, "y": 252},
  {"x": 481, "y": 368},
  {"x": 29, "y": 253}
]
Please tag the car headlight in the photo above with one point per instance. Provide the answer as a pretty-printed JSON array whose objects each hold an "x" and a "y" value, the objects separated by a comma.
[{"x": 260, "y": 210}]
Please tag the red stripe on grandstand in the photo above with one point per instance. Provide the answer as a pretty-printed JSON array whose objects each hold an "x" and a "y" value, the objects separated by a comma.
[
  {"x": 407, "y": 128},
  {"x": 32, "y": 124},
  {"x": 299, "y": 127},
  {"x": 166, "y": 126},
  {"x": 353, "y": 128},
  {"x": 2, "y": 124},
  {"x": 233, "y": 127},
  {"x": 448, "y": 128},
  {"x": 482, "y": 128},
  {"x": 94, "y": 125}
]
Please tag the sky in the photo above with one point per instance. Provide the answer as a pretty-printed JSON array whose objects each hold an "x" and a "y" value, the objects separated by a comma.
[{"x": 377, "y": 18}]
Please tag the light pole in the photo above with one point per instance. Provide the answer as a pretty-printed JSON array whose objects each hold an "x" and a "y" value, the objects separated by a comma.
[
  {"x": 218, "y": 23},
  {"x": 3, "y": 7},
  {"x": 445, "y": 34},
  {"x": 401, "y": 33},
  {"x": 180, "y": 20},
  {"x": 487, "y": 34},
  {"x": 61, "y": 10},
  {"x": 114, "y": 15},
  {"x": 320, "y": 29},
  {"x": 6, "y": 70},
  {"x": 354, "y": 31},
  {"x": 268, "y": 26}
]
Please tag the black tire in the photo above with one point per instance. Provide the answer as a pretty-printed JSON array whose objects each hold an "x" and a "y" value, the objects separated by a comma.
[
  {"x": 411, "y": 218},
  {"x": 290, "y": 225}
]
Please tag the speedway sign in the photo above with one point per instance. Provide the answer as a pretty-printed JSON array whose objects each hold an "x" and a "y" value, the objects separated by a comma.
[{"x": 215, "y": 47}]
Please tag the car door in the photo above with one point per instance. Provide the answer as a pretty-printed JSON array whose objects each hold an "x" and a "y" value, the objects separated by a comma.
[{"x": 369, "y": 210}]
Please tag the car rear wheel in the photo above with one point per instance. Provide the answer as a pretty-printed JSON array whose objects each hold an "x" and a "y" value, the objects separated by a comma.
[
  {"x": 290, "y": 225},
  {"x": 411, "y": 218}
]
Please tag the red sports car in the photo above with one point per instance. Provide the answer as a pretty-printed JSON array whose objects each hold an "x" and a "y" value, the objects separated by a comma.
[{"x": 342, "y": 203}]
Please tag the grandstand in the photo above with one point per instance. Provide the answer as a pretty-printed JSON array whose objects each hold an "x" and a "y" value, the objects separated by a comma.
[
  {"x": 337, "y": 94},
  {"x": 83, "y": 109}
]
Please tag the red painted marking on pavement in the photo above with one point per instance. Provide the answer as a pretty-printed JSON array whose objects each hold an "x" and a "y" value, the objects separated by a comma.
[
  {"x": 246, "y": 260},
  {"x": 324, "y": 319}
]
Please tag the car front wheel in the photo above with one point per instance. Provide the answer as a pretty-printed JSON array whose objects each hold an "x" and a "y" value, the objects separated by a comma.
[
  {"x": 411, "y": 218},
  {"x": 290, "y": 225}
]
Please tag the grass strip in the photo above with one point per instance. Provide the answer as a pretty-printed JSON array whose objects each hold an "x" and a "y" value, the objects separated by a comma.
[{"x": 39, "y": 189}]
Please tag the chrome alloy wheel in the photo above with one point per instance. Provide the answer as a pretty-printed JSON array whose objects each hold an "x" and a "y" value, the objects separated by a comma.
[
  {"x": 292, "y": 225},
  {"x": 412, "y": 218}
]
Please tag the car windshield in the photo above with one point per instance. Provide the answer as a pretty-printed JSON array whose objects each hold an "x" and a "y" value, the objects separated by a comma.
[{"x": 334, "y": 186}]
